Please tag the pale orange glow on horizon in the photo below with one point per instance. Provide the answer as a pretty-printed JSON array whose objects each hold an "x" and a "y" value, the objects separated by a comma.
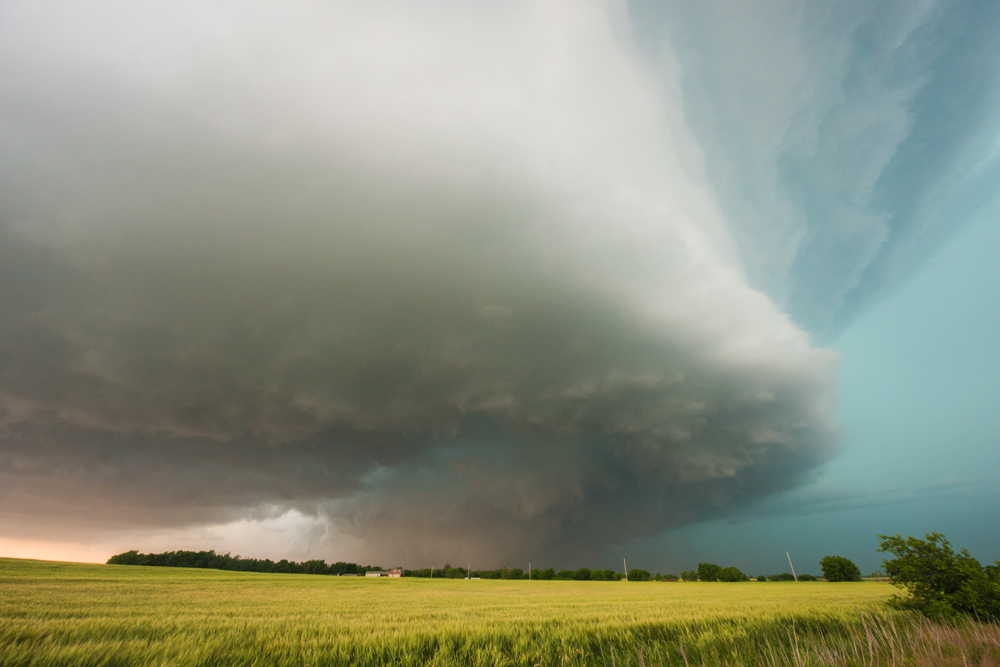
[
  {"x": 69, "y": 552},
  {"x": 290, "y": 534}
]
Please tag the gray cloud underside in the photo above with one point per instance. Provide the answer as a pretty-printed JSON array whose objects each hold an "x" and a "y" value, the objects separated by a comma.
[
  {"x": 456, "y": 283},
  {"x": 172, "y": 390}
]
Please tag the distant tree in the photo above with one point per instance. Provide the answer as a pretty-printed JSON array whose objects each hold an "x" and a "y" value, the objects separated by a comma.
[
  {"x": 449, "y": 572},
  {"x": 315, "y": 567},
  {"x": 583, "y": 574},
  {"x": 730, "y": 574},
  {"x": 127, "y": 558},
  {"x": 784, "y": 576},
  {"x": 689, "y": 575},
  {"x": 638, "y": 575},
  {"x": 708, "y": 571},
  {"x": 669, "y": 577},
  {"x": 545, "y": 574},
  {"x": 565, "y": 574},
  {"x": 341, "y": 567},
  {"x": 808, "y": 577},
  {"x": 838, "y": 568},
  {"x": 941, "y": 583}
]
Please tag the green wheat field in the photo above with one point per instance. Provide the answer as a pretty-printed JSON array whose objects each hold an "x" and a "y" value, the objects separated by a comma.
[{"x": 74, "y": 614}]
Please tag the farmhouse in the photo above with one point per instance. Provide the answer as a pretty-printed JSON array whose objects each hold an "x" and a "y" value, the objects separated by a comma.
[{"x": 394, "y": 572}]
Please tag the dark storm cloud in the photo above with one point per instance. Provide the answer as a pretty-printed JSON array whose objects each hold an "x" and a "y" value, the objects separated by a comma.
[
  {"x": 450, "y": 282},
  {"x": 548, "y": 424}
]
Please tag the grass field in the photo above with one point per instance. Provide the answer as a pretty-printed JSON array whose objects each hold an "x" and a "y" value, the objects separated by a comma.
[{"x": 72, "y": 614}]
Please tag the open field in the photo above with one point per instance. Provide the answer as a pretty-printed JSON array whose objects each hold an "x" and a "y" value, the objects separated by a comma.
[{"x": 69, "y": 614}]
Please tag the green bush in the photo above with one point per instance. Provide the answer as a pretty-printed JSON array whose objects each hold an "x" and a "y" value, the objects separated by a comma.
[
  {"x": 731, "y": 574},
  {"x": 940, "y": 582},
  {"x": 838, "y": 568},
  {"x": 808, "y": 577},
  {"x": 708, "y": 571}
]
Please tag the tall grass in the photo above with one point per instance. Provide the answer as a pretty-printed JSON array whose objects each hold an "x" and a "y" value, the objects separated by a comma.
[{"x": 95, "y": 615}]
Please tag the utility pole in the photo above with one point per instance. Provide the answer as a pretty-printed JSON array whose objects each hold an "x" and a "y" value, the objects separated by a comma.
[
  {"x": 793, "y": 567},
  {"x": 432, "y": 571},
  {"x": 626, "y": 568},
  {"x": 529, "y": 570}
]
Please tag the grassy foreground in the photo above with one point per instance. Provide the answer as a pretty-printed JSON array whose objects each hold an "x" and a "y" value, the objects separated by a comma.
[{"x": 71, "y": 614}]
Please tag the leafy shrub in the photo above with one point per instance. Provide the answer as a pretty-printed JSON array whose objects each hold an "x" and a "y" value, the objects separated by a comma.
[
  {"x": 838, "y": 568},
  {"x": 731, "y": 574},
  {"x": 808, "y": 577},
  {"x": 784, "y": 576},
  {"x": 940, "y": 582}
]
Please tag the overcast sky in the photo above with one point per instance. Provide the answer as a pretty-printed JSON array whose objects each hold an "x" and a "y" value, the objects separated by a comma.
[{"x": 564, "y": 281}]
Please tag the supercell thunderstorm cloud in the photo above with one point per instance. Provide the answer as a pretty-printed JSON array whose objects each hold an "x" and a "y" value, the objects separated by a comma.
[{"x": 482, "y": 279}]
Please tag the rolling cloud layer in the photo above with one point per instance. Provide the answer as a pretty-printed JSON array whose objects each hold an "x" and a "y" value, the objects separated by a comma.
[{"x": 484, "y": 281}]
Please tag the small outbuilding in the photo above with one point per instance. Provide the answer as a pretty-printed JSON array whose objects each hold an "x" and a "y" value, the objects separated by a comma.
[{"x": 395, "y": 572}]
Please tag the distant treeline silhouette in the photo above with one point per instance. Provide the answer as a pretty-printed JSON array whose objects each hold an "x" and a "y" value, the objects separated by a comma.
[
  {"x": 214, "y": 561},
  {"x": 582, "y": 574}
]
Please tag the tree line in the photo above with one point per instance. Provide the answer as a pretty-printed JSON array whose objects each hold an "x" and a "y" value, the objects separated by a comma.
[
  {"x": 214, "y": 561},
  {"x": 540, "y": 574},
  {"x": 217, "y": 561}
]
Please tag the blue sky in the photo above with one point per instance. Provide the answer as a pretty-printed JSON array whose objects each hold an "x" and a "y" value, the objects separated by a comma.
[{"x": 919, "y": 383}]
